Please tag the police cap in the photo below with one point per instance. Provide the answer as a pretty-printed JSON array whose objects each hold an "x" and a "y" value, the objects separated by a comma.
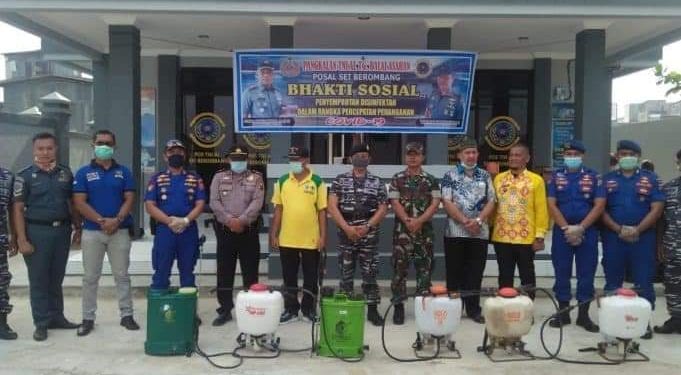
[
  {"x": 360, "y": 147},
  {"x": 576, "y": 145},
  {"x": 626, "y": 144}
]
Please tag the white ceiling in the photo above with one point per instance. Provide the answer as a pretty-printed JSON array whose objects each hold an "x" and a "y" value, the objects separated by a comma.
[{"x": 494, "y": 38}]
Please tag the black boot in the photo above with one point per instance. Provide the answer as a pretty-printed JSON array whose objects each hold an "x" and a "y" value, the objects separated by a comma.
[
  {"x": 583, "y": 319},
  {"x": 672, "y": 325},
  {"x": 6, "y": 333},
  {"x": 649, "y": 333},
  {"x": 398, "y": 314},
  {"x": 563, "y": 318},
  {"x": 373, "y": 316}
]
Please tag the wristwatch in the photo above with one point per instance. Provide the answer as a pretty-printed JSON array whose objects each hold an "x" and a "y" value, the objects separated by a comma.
[{"x": 186, "y": 220}]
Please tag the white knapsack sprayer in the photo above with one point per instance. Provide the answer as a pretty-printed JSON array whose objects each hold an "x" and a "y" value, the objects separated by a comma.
[
  {"x": 257, "y": 317},
  {"x": 508, "y": 317},
  {"x": 438, "y": 315},
  {"x": 623, "y": 317}
]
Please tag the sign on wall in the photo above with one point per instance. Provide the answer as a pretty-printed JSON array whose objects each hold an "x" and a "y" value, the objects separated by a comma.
[
  {"x": 562, "y": 129},
  {"x": 328, "y": 91}
]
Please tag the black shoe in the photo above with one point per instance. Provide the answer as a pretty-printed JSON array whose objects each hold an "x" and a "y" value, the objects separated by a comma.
[
  {"x": 672, "y": 325},
  {"x": 649, "y": 334},
  {"x": 288, "y": 317},
  {"x": 563, "y": 318},
  {"x": 222, "y": 319},
  {"x": 6, "y": 332},
  {"x": 62, "y": 323},
  {"x": 86, "y": 327},
  {"x": 129, "y": 323},
  {"x": 197, "y": 320},
  {"x": 40, "y": 334},
  {"x": 583, "y": 319},
  {"x": 478, "y": 318},
  {"x": 310, "y": 317},
  {"x": 373, "y": 316},
  {"x": 398, "y": 314}
]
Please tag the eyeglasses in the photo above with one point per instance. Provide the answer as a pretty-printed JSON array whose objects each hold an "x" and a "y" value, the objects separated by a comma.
[{"x": 102, "y": 143}]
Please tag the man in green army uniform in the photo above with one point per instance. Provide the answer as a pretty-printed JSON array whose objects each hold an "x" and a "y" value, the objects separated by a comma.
[
  {"x": 414, "y": 195},
  {"x": 44, "y": 217}
]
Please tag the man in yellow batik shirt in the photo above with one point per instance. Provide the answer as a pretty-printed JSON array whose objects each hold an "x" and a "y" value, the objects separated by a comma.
[{"x": 521, "y": 220}]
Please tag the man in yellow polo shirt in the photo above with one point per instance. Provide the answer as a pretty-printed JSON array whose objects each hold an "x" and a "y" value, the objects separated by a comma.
[
  {"x": 521, "y": 220},
  {"x": 298, "y": 231}
]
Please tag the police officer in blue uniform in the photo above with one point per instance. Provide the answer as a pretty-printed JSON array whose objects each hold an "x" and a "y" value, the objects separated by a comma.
[
  {"x": 634, "y": 204},
  {"x": 443, "y": 103},
  {"x": 262, "y": 100},
  {"x": 175, "y": 198},
  {"x": 43, "y": 217},
  {"x": 576, "y": 201}
]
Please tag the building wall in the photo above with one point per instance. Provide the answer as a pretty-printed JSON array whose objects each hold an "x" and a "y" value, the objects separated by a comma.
[{"x": 658, "y": 139}]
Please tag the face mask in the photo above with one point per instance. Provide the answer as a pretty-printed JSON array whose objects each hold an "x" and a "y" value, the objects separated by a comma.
[
  {"x": 359, "y": 162},
  {"x": 469, "y": 166},
  {"x": 296, "y": 167},
  {"x": 176, "y": 161},
  {"x": 104, "y": 152},
  {"x": 628, "y": 162},
  {"x": 238, "y": 166},
  {"x": 572, "y": 162}
]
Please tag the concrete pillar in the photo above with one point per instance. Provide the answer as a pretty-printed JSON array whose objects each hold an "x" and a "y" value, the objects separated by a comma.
[
  {"x": 56, "y": 112},
  {"x": 100, "y": 89},
  {"x": 436, "y": 144},
  {"x": 169, "y": 110},
  {"x": 281, "y": 36},
  {"x": 592, "y": 97},
  {"x": 541, "y": 114},
  {"x": 124, "y": 100}
]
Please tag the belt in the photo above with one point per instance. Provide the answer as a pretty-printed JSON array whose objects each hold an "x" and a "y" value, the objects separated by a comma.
[{"x": 48, "y": 223}]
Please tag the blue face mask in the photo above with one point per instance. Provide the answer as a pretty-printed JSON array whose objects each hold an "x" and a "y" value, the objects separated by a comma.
[
  {"x": 238, "y": 166},
  {"x": 296, "y": 167},
  {"x": 628, "y": 163},
  {"x": 572, "y": 162}
]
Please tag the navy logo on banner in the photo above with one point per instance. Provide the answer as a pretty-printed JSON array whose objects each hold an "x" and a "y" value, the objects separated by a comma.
[
  {"x": 290, "y": 68},
  {"x": 423, "y": 68},
  {"x": 502, "y": 132},
  {"x": 207, "y": 130}
]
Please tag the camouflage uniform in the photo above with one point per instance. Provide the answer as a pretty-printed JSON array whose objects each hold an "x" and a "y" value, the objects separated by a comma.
[
  {"x": 415, "y": 193},
  {"x": 6, "y": 183},
  {"x": 358, "y": 200},
  {"x": 672, "y": 245}
]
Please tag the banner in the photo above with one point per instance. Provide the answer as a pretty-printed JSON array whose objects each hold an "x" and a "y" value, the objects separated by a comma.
[
  {"x": 563, "y": 129},
  {"x": 330, "y": 91}
]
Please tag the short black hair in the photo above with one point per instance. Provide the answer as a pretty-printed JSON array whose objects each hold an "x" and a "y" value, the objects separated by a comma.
[
  {"x": 44, "y": 135},
  {"x": 678, "y": 154},
  {"x": 520, "y": 144},
  {"x": 104, "y": 132}
]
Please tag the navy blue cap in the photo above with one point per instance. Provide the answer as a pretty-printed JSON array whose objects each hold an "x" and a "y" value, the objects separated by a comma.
[
  {"x": 361, "y": 147},
  {"x": 266, "y": 64},
  {"x": 626, "y": 144},
  {"x": 295, "y": 152},
  {"x": 174, "y": 143},
  {"x": 576, "y": 145}
]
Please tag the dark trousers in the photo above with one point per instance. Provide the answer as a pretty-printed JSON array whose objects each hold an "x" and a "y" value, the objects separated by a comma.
[
  {"x": 46, "y": 268},
  {"x": 290, "y": 259},
  {"x": 465, "y": 260},
  {"x": 246, "y": 247},
  {"x": 508, "y": 255}
]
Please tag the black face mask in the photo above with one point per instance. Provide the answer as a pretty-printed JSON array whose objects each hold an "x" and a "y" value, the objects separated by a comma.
[{"x": 176, "y": 161}]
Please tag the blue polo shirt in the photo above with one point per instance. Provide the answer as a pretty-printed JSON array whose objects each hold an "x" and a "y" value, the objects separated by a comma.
[{"x": 105, "y": 189}]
